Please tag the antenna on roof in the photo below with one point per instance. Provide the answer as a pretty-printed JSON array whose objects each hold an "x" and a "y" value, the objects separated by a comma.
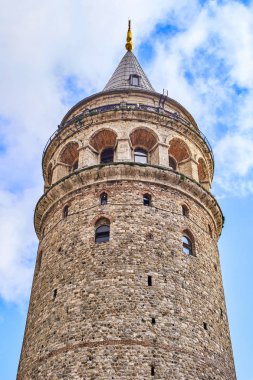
[{"x": 129, "y": 44}]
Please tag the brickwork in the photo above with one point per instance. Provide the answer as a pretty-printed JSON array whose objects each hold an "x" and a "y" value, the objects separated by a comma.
[{"x": 137, "y": 306}]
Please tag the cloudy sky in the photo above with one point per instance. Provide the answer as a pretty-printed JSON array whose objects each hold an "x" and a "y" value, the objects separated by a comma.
[{"x": 54, "y": 53}]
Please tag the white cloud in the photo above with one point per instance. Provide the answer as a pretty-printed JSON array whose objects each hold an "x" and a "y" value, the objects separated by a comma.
[
  {"x": 42, "y": 44},
  {"x": 242, "y": 147},
  {"x": 18, "y": 244},
  {"x": 216, "y": 50}
]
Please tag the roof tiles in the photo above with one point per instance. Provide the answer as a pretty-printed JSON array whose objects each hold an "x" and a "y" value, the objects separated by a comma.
[{"x": 120, "y": 79}]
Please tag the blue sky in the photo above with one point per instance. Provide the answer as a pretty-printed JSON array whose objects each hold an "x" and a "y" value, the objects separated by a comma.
[{"x": 52, "y": 54}]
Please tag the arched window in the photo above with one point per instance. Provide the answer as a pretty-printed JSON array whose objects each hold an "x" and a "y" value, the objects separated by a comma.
[
  {"x": 103, "y": 199},
  {"x": 210, "y": 231},
  {"x": 106, "y": 156},
  {"x": 140, "y": 155},
  {"x": 172, "y": 163},
  {"x": 102, "y": 233},
  {"x": 146, "y": 199},
  {"x": 187, "y": 245},
  {"x": 185, "y": 210},
  {"x": 65, "y": 211}
]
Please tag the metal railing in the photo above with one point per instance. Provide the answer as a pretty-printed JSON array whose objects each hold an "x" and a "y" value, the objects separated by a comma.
[{"x": 127, "y": 107}]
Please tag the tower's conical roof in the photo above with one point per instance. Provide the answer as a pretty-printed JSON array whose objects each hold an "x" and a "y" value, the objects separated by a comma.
[{"x": 129, "y": 75}]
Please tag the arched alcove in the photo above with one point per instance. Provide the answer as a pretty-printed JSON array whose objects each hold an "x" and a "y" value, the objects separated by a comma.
[
  {"x": 105, "y": 138},
  {"x": 104, "y": 142},
  {"x": 70, "y": 155},
  {"x": 143, "y": 140},
  {"x": 179, "y": 156},
  {"x": 179, "y": 150}
]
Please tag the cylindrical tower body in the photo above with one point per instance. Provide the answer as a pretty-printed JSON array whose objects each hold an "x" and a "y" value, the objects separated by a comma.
[{"x": 127, "y": 283}]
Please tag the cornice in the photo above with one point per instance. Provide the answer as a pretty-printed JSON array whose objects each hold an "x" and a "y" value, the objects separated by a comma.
[
  {"x": 131, "y": 114},
  {"x": 129, "y": 171},
  {"x": 104, "y": 94}
]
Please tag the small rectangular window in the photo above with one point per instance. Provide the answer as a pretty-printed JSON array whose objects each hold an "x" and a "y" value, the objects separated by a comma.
[
  {"x": 149, "y": 280},
  {"x": 134, "y": 80},
  {"x": 54, "y": 294},
  {"x": 205, "y": 325},
  {"x": 146, "y": 199},
  {"x": 153, "y": 321},
  {"x": 152, "y": 370}
]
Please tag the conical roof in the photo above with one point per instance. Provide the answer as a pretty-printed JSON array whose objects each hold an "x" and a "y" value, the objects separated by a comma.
[{"x": 129, "y": 75}]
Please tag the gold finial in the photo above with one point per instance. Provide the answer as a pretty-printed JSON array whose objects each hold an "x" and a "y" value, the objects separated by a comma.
[{"x": 129, "y": 44}]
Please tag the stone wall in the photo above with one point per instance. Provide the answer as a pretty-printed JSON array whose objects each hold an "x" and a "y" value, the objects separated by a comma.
[
  {"x": 136, "y": 306},
  {"x": 122, "y": 124},
  {"x": 92, "y": 313}
]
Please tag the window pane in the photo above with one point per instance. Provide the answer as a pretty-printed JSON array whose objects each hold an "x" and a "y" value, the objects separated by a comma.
[
  {"x": 106, "y": 156},
  {"x": 134, "y": 80},
  {"x": 140, "y": 155},
  {"x": 185, "y": 240},
  {"x": 102, "y": 234},
  {"x": 187, "y": 245},
  {"x": 186, "y": 250},
  {"x": 146, "y": 200},
  {"x": 103, "y": 199}
]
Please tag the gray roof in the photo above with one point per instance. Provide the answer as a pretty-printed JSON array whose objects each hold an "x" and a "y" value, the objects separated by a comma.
[{"x": 120, "y": 79}]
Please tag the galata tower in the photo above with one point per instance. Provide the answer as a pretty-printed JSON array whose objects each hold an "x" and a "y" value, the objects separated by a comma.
[{"x": 127, "y": 283}]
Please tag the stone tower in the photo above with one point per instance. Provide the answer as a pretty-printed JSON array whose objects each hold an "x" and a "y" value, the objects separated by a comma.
[{"x": 127, "y": 283}]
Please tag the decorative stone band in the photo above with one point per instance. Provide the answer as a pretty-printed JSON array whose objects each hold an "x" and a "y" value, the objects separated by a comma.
[
  {"x": 129, "y": 171},
  {"x": 132, "y": 111},
  {"x": 211, "y": 359}
]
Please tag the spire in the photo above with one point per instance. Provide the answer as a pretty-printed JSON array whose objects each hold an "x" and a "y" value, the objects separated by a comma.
[
  {"x": 129, "y": 73},
  {"x": 129, "y": 44}
]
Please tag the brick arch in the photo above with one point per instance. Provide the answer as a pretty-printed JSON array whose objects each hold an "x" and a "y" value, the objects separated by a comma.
[
  {"x": 143, "y": 138},
  {"x": 102, "y": 216},
  {"x": 185, "y": 208},
  {"x": 179, "y": 150},
  {"x": 187, "y": 232},
  {"x": 69, "y": 154},
  {"x": 102, "y": 221},
  {"x": 104, "y": 138},
  {"x": 202, "y": 170}
]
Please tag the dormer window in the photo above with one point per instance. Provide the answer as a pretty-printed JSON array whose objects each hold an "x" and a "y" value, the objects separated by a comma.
[{"x": 134, "y": 80}]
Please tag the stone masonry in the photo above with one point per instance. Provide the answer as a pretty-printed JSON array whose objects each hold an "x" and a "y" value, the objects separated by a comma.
[{"x": 136, "y": 306}]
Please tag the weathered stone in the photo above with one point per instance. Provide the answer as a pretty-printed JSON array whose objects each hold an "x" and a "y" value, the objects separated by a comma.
[{"x": 137, "y": 306}]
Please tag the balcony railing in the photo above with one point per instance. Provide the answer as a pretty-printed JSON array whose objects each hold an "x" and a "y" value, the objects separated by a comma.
[{"x": 126, "y": 107}]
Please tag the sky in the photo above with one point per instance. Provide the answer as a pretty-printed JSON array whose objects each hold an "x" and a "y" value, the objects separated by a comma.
[{"x": 54, "y": 53}]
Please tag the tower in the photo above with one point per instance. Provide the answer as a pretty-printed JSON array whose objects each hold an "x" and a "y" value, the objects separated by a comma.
[{"x": 127, "y": 283}]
